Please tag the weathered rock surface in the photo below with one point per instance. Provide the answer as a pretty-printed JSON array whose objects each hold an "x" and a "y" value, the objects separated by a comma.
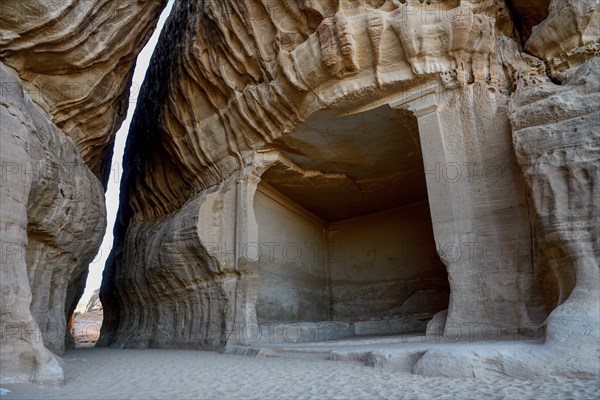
[
  {"x": 65, "y": 71},
  {"x": 555, "y": 136},
  {"x": 75, "y": 60},
  {"x": 266, "y": 131},
  {"x": 53, "y": 220},
  {"x": 569, "y": 36},
  {"x": 366, "y": 162},
  {"x": 556, "y": 131},
  {"x": 275, "y": 159},
  {"x": 94, "y": 304}
]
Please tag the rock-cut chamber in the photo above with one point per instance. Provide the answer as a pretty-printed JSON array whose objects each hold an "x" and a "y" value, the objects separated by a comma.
[{"x": 345, "y": 230}]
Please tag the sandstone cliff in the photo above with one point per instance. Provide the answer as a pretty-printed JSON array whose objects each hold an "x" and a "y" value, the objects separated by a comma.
[
  {"x": 65, "y": 71},
  {"x": 368, "y": 164},
  {"x": 265, "y": 124}
]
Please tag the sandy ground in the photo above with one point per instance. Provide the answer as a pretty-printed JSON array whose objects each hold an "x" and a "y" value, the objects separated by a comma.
[{"x": 101, "y": 373}]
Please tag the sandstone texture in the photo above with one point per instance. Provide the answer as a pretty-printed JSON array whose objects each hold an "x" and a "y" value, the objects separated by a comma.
[
  {"x": 94, "y": 304},
  {"x": 74, "y": 58},
  {"x": 556, "y": 133},
  {"x": 305, "y": 170},
  {"x": 86, "y": 328},
  {"x": 65, "y": 72},
  {"x": 367, "y": 164}
]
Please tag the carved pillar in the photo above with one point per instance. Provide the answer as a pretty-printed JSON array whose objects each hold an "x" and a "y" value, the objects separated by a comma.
[
  {"x": 441, "y": 192},
  {"x": 246, "y": 230},
  {"x": 243, "y": 327},
  {"x": 478, "y": 208}
]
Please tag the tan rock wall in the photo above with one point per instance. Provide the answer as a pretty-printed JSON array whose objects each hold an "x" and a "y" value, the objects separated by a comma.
[
  {"x": 557, "y": 142},
  {"x": 254, "y": 81},
  {"x": 53, "y": 220},
  {"x": 230, "y": 91},
  {"x": 383, "y": 263},
  {"x": 66, "y": 70},
  {"x": 177, "y": 282},
  {"x": 292, "y": 264},
  {"x": 569, "y": 36},
  {"x": 75, "y": 59},
  {"x": 479, "y": 208},
  {"x": 554, "y": 127},
  {"x": 230, "y": 80}
]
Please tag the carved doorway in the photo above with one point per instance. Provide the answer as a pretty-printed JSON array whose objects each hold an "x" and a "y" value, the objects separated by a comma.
[{"x": 345, "y": 229}]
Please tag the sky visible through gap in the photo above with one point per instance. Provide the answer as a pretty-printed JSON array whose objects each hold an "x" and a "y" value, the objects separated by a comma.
[{"x": 112, "y": 194}]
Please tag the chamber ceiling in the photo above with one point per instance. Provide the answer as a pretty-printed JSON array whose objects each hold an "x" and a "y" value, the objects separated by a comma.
[{"x": 351, "y": 165}]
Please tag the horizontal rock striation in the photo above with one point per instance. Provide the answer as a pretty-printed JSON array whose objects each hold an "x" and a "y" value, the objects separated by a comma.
[
  {"x": 75, "y": 60},
  {"x": 556, "y": 140},
  {"x": 251, "y": 112},
  {"x": 66, "y": 67},
  {"x": 54, "y": 219},
  {"x": 554, "y": 120},
  {"x": 245, "y": 80},
  {"x": 230, "y": 82}
]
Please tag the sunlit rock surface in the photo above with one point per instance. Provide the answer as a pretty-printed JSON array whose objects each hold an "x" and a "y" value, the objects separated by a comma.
[
  {"x": 65, "y": 72},
  {"x": 353, "y": 162},
  {"x": 75, "y": 59},
  {"x": 367, "y": 167}
]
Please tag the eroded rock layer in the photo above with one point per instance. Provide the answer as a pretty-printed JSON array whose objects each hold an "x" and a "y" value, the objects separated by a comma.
[
  {"x": 229, "y": 140},
  {"x": 65, "y": 71},
  {"x": 53, "y": 216},
  {"x": 557, "y": 141},
  {"x": 555, "y": 133},
  {"x": 271, "y": 136},
  {"x": 74, "y": 58}
]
